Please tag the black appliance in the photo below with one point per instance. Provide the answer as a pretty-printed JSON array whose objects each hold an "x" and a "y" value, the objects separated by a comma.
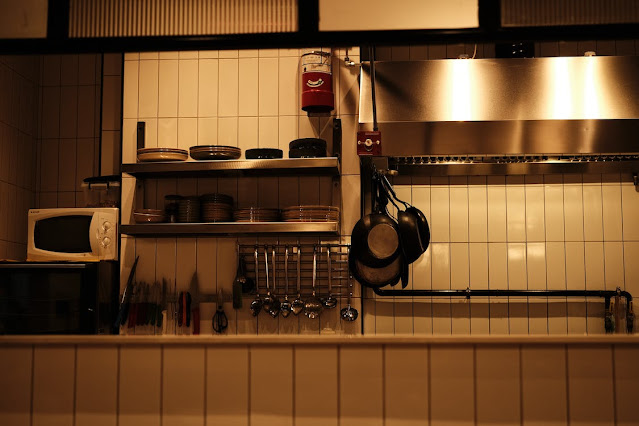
[{"x": 58, "y": 297}]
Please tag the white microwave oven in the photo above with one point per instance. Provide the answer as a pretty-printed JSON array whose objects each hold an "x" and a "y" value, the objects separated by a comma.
[{"x": 73, "y": 234}]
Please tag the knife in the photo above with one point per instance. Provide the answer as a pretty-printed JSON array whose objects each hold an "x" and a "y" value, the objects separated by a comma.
[
  {"x": 123, "y": 313},
  {"x": 161, "y": 317},
  {"x": 194, "y": 302}
]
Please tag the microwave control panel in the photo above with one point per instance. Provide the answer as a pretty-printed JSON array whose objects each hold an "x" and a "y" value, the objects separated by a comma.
[{"x": 107, "y": 238}]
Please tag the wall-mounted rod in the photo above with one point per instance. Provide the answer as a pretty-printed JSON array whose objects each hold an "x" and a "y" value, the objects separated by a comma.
[{"x": 468, "y": 293}]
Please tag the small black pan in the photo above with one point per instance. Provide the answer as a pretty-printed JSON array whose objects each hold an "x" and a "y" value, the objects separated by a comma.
[
  {"x": 413, "y": 227},
  {"x": 376, "y": 277}
]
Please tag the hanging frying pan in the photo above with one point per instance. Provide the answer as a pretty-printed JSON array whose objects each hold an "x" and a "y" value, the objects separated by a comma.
[
  {"x": 413, "y": 227},
  {"x": 375, "y": 237}
]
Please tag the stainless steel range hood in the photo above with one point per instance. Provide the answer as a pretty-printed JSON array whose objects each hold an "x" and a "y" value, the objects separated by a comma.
[{"x": 549, "y": 109}]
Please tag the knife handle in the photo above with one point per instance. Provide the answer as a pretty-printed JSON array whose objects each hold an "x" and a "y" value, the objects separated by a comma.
[
  {"x": 181, "y": 309},
  {"x": 187, "y": 309},
  {"x": 196, "y": 319}
]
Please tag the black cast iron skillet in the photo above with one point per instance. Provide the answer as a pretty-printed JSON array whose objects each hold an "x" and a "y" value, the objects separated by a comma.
[
  {"x": 375, "y": 240},
  {"x": 413, "y": 227},
  {"x": 376, "y": 277}
]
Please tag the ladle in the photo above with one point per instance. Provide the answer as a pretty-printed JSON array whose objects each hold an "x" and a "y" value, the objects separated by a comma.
[
  {"x": 349, "y": 313},
  {"x": 275, "y": 303},
  {"x": 313, "y": 307},
  {"x": 330, "y": 302},
  {"x": 286, "y": 307},
  {"x": 256, "y": 305},
  {"x": 298, "y": 304}
]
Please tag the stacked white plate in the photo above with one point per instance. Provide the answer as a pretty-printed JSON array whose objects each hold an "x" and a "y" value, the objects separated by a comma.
[
  {"x": 162, "y": 154},
  {"x": 310, "y": 213},
  {"x": 215, "y": 152}
]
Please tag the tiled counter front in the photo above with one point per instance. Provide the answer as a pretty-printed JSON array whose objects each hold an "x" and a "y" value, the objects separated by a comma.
[{"x": 320, "y": 381}]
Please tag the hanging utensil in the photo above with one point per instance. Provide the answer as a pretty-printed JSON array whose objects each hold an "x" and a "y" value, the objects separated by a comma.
[
  {"x": 275, "y": 303},
  {"x": 220, "y": 321},
  {"x": 298, "y": 303},
  {"x": 313, "y": 307},
  {"x": 286, "y": 307},
  {"x": 349, "y": 313},
  {"x": 329, "y": 302},
  {"x": 241, "y": 281},
  {"x": 194, "y": 291},
  {"x": 267, "y": 304},
  {"x": 256, "y": 305},
  {"x": 125, "y": 304}
]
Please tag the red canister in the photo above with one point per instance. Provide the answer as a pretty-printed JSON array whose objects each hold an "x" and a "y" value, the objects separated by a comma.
[{"x": 317, "y": 82}]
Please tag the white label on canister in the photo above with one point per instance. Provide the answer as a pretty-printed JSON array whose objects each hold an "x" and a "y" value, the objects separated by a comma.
[{"x": 316, "y": 83}]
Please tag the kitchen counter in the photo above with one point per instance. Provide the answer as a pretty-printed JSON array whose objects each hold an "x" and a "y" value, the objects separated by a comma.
[{"x": 321, "y": 340}]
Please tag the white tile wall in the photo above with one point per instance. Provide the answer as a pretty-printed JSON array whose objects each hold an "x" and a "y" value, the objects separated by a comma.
[
  {"x": 323, "y": 384},
  {"x": 244, "y": 98},
  {"x": 68, "y": 147},
  {"x": 19, "y": 76}
]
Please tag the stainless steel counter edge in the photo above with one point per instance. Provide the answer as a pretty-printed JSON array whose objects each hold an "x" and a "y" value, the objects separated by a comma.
[{"x": 320, "y": 340}]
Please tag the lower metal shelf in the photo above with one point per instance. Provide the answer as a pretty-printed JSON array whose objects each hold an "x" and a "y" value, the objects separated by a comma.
[{"x": 230, "y": 228}]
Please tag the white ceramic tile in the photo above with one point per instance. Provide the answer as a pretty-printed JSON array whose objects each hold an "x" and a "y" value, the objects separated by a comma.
[
  {"x": 516, "y": 213},
  {"x": 590, "y": 385},
  {"x": 535, "y": 217},
  {"x": 148, "y": 55},
  {"x": 129, "y": 141},
  {"x": 613, "y": 265},
  {"x": 96, "y": 386},
  {"x": 517, "y": 277},
  {"x": 477, "y": 209},
  {"x": 268, "y": 86},
  {"x": 361, "y": 385},
  {"x": 69, "y": 113},
  {"x": 53, "y": 385},
  {"x": 188, "y": 88},
  {"x": 228, "y": 405},
  {"x": 208, "y": 76},
  {"x": 612, "y": 218},
  {"x": 140, "y": 385},
  {"x": 452, "y": 392},
  {"x": 593, "y": 212},
  {"x": 228, "y": 88},
  {"x": 625, "y": 380},
  {"x": 630, "y": 208},
  {"x": 248, "y": 53},
  {"x": 267, "y": 132},
  {"x": 148, "y": 89},
  {"x": 88, "y": 111},
  {"x": 574, "y": 213},
  {"x": 50, "y": 123},
  {"x": 497, "y": 373},
  {"x": 440, "y": 213},
  {"x": 183, "y": 384},
  {"x": 248, "y": 87},
  {"x": 247, "y": 133},
  {"x": 631, "y": 266},
  {"x": 406, "y": 391},
  {"x": 543, "y": 385},
  {"x": 16, "y": 370},
  {"x": 172, "y": 55},
  {"x": 271, "y": 365},
  {"x": 348, "y": 91},
  {"x": 316, "y": 379},
  {"x": 187, "y": 133},
  {"x": 228, "y": 53},
  {"x": 288, "y": 128},
  {"x": 288, "y": 86},
  {"x": 207, "y": 131},
  {"x": 496, "y": 193},
  {"x": 167, "y": 133},
  {"x": 193, "y": 54},
  {"x": 227, "y": 133},
  {"x": 168, "y": 96},
  {"x": 459, "y": 215}
]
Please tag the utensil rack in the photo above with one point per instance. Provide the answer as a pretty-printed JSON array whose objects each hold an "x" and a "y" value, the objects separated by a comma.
[{"x": 339, "y": 272}]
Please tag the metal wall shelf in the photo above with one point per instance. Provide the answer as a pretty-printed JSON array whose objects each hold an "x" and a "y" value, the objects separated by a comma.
[
  {"x": 328, "y": 166},
  {"x": 230, "y": 228}
]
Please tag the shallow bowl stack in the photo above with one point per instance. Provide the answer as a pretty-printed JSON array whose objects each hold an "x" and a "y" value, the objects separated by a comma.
[
  {"x": 148, "y": 216},
  {"x": 256, "y": 214},
  {"x": 215, "y": 152},
  {"x": 189, "y": 209},
  {"x": 216, "y": 208},
  {"x": 310, "y": 214},
  {"x": 162, "y": 154}
]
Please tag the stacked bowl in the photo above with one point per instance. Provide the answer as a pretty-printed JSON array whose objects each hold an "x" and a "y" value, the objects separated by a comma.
[{"x": 216, "y": 208}]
